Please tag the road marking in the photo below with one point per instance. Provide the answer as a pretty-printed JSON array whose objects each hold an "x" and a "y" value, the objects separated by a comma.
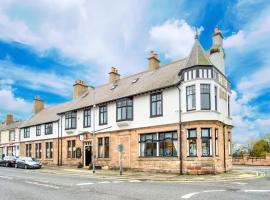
[
  {"x": 41, "y": 184},
  {"x": 103, "y": 182},
  {"x": 6, "y": 177},
  {"x": 187, "y": 196},
  {"x": 81, "y": 184},
  {"x": 134, "y": 181},
  {"x": 256, "y": 190},
  {"x": 240, "y": 183}
]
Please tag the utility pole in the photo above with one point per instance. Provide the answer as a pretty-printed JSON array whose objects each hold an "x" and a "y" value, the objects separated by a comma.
[{"x": 94, "y": 131}]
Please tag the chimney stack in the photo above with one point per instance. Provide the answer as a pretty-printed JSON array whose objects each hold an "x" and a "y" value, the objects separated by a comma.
[
  {"x": 9, "y": 119},
  {"x": 38, "y": 104},
  {"x": 114, "y": 75},
  {"x": 79, "y": 88},
  {"x": 153, "y": 61}
]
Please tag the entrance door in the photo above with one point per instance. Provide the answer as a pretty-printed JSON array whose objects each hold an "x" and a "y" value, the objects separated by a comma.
[{"x": 88, "y": 155}]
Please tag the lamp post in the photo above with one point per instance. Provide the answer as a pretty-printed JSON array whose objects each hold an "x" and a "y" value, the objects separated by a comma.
[{"x": 94, "y": 131}]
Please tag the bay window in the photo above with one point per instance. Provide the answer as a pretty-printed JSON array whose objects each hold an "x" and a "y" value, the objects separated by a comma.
[
  {"x": 205, "y": 97},
  {"x": 191, "y": 97},
  {"x": 192, "y": 142},
  {"x": 206, "y": 142}
]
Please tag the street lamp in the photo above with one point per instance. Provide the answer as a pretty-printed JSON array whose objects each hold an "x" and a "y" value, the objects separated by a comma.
[{"x": 94, "y": 133}]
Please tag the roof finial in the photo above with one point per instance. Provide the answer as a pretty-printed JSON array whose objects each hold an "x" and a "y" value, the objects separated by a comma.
[{"x": 196, "y": 34}]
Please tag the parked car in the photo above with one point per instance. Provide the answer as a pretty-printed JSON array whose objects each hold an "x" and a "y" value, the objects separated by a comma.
[
  {"x": 27, "y": 163},
  {"x": 8, "y": 161}
]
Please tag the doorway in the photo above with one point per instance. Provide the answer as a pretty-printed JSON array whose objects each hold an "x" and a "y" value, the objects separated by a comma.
[{"x": 88, "y": 155}]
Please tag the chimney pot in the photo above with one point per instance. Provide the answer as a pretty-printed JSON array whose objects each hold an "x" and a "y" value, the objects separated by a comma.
[
  {"x": 38, "y": 104},
  {"x": 114, "y": 75},
  {"x": 79, "y": 88},
  {"x": 9, "y": 119},
  {"x": 153, "y": 61}
]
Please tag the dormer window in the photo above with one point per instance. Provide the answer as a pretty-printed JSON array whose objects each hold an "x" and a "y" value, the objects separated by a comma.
[
  {"x": 113, "y": 87},
  {"x": 135, "y": 80}
]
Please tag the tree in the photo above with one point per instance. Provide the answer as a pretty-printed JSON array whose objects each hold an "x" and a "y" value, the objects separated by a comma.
[{"x": 260, "y": 148}]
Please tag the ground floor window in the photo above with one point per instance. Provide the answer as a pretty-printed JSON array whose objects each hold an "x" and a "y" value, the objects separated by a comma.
[
  {"x": 206, "y": 142},
  {"x": 1, "y": 152},
  {"x": 216, "y": 142},
  {"x": 104, "y": 147},
  {"x": 229, "y": 143},
  {"x": 28, "y": 149},
  {"x": 159, "y": 144},
  {"x": 10, "y": 151},
  {"x": 71, "y": 149},
  {"x": 49, "y": 150},
  {"x": 38, "y": 150},
  {"x": 192, "y": 142}
]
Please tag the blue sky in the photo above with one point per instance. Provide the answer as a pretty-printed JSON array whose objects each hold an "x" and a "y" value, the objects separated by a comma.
[{"x": 45, "y": 45}]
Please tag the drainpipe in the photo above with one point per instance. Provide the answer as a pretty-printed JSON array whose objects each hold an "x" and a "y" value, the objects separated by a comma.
[
  {"x": 61, "y": 141},
  {"x": 224, "y": 152},
  {"x": 58, "y": 149},
  {"x": 180, "y": 131}
]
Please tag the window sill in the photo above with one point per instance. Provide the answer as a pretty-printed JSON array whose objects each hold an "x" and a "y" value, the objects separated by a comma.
[
  {"x": 103, "y": 159},
  {"x": 48, "y": 159},
  {"x": 70, "y": 129},
  {"x": 103, "y": 124},
  {"x": 155, "y": 116},
  {"x": 157, "y": 158}
]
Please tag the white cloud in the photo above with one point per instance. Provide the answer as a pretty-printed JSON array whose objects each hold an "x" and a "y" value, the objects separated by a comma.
[
  {"x": 87, "y": 31},
  {"x": 236, "y": 40},
  {"x": 36, "y": 80},
  {"x": 174, "y": 38},
  {"x": 10, "y": 103}
]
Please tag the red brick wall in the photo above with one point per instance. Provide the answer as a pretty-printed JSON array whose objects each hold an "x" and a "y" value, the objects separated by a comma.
[{"x": 247, "y": 160}]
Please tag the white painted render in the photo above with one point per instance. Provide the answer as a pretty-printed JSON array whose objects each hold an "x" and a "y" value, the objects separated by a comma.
[{"x": 5, "y": 142}]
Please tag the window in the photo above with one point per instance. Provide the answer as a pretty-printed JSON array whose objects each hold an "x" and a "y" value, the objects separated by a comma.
[
  {"x": 10, "y": 151},
  {"x": 100, "y": 147},
  {"x": 229, "y": 144},
  {"x": 192, "y": 142},
  {"x": 216, "y": 142},
  {"x": 38, "y": 150},
  {"x": 205, "y": 97},
  {"x": 229, "y": 106},
  {"x": 11, "y": 135},
  {"x": 124, "y": 109},
  {"x": 38, "y": 130},
  {"x": 104, "y": 147},
  {"x": 71, "y": 149},
  {"x": 216, "y": 99},
  {"x": 48, "y": 128},
  {"x": 148, "y": 145},
  {"x": 156, "y": 105},
  {"x": 168, "y": 144},
  {"x": 70, "y": 120},
  {"x": 28, "y": 149},
  {"x": 26, "y": 132},
  {"x": 191, "y": 97},
  {"x": 49, "y": 150},
  {"x": 87, "y": 118},
  {"x": 107, "y": 147},
  {"x": 206, "y": 142},
  {"x": 103, "y": 115}
]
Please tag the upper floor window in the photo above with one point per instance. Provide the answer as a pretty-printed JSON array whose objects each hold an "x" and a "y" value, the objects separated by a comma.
[
  {"x": 48, "y": 128},
  {"x": 124, "y": 109},
  {"x": 26, "y": 132},
  {"x": 11, "y": 135},
  {"x": 70, "y": 120},
  {"x": 156, "y": 104},
  {"x": 191, "y": 97},
  {"x": 87, "y": 118},
  {"x": 205, "y": 97},
  {"x": 229, "y": 106},
  {"x": 206, "y": 142},
  {"x": 192, "y": 142},
  {"x": 38, "y": 130},
  {"x": 103, "y": 115},
  {"x": 216, "y": 98}
]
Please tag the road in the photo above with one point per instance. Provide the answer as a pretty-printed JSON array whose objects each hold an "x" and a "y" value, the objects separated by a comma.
[{"x": 23, "y": 184}]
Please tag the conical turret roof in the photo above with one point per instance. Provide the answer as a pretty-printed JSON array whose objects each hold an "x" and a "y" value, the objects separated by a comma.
[{"x": 197, "y": 56}]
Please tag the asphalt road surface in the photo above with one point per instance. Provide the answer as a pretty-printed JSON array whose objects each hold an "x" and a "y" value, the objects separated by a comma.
[{"x": 36, "y": 185}]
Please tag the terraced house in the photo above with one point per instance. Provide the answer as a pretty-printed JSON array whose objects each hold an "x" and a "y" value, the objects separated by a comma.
[
  {"x": 9, "y": 137},
  {"x": 174, "y": 118}
]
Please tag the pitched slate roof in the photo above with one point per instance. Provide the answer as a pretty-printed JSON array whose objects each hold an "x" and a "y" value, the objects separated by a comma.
[
  {"x": 197, "y": 56},
  {"x": 165, "y": 76},
  {"x": 13, "y": 125}
]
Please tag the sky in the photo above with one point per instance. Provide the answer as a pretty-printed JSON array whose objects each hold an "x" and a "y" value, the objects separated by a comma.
[{"x": 46, "y": 45}]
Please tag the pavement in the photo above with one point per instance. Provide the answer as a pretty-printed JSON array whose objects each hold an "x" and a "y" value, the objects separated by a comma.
[{"x": 65, "y": 183}]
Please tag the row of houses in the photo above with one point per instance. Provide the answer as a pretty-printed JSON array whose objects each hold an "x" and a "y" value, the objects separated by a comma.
[{"x": 173, "y": 118}]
